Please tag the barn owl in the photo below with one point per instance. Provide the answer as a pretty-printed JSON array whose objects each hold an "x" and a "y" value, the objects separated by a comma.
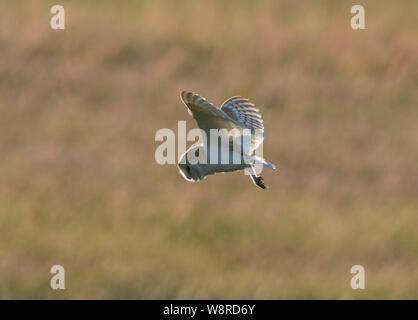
[{"x": 237, "y": 115}]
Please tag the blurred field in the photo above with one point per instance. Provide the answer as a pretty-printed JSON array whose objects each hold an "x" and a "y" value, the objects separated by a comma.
[{"x": 79, "y": 185}]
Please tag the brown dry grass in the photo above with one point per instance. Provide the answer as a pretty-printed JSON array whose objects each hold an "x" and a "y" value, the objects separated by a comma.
[{"x": 79, "y": 185}]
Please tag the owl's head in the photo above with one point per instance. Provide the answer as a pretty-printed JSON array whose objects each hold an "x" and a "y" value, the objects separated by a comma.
[
  {"x": 191, "y": 171},
  {"x": 188, "y": 172}
]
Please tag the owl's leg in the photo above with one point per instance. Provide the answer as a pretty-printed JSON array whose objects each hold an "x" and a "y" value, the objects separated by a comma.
[{"x": 258, "y": 180}]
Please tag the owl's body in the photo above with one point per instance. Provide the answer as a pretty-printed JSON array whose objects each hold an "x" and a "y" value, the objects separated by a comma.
[
  {"x": 236, "y": 115},
  {"x": 200, "y": 170}
]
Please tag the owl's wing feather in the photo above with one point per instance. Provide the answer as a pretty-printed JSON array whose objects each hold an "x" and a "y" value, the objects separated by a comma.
[
  {"x": 206, "y": 114},
  {"x": 248, "y": 116},
  {"x": 235, "y": 113},
  {"x": 244, "y": 112}
]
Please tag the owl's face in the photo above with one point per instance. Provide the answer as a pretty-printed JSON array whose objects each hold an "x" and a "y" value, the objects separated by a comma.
[{"x": 190, "y": 172}]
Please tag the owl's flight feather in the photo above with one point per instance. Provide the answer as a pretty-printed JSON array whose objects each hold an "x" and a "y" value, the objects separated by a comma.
[{"x": 235, "y": 113}]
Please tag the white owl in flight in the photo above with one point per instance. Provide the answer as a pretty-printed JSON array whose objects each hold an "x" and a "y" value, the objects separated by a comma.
[{"x": 237, "y": 115}]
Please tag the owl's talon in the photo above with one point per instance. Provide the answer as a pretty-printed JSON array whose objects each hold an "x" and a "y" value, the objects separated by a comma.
[{"x": 259, "y": 181}]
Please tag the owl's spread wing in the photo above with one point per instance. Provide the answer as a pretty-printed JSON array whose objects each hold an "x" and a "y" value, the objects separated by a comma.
[
  {"x": 207, "y": 115},
  {"x": 248, "y": 116},
  {"x": 235, "y": 113}
]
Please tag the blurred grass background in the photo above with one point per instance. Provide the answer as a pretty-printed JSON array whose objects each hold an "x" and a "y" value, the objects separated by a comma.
[{"x": 79, "y": 185}]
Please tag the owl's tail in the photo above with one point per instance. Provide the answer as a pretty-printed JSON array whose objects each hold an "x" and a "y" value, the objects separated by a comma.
[
  {"x": 258, "y": 160},
  {"x": 268, "y": 165}
]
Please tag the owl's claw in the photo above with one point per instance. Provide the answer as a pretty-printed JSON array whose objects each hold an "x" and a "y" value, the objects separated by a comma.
[{"x": 259, "y": 181}]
